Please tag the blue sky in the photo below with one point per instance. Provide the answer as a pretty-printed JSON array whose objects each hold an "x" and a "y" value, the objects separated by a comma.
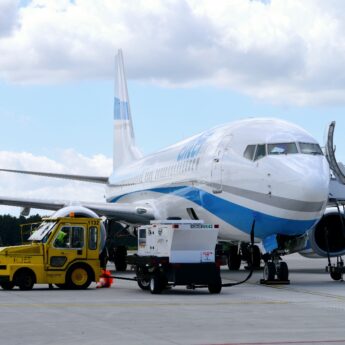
[
  {"x": 191, "y": 65},
  {"x": 46, "y": 119}
]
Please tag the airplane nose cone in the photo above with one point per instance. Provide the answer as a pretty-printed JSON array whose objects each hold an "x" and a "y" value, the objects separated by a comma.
[{"x": 305, "y": 179}]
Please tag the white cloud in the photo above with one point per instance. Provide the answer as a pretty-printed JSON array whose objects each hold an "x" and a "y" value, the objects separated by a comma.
[
  {"x": 68, "y": 161},
  {"x": 283, "y": 51}
]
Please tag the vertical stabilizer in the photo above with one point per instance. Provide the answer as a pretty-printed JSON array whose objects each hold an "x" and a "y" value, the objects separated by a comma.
[{"x": 125, "y": 150}]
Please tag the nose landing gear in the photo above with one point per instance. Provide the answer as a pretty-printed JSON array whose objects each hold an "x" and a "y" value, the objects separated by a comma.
[{"x": 275, "y": 272}]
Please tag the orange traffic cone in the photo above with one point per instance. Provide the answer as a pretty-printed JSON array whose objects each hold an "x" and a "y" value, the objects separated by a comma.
[{"x": 105, "y": 280}]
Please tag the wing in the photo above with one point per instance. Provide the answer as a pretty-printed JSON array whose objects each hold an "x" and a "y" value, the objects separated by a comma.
[
  {"x": 131, "y": 213},
  {"x": 85, "y": 178}
]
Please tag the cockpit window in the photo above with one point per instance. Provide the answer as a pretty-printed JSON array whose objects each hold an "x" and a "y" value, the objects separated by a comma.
[
  {"x": 310, "y": 148},
  {"x": 282, "y": 148},
  {"x": 260, "y": 152},
  {"x": 249, "y": 152}
]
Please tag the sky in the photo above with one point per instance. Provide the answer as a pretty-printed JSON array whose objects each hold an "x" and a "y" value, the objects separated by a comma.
[{"x": 190, "y": 64}]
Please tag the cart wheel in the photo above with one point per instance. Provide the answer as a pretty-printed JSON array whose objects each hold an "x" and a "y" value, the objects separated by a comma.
[
  {"x": 144, "y": 284},
  {"x": 216, "y": 286},
  {"x": 156, "y": 284},
  {"x": 7, "y": 285}
]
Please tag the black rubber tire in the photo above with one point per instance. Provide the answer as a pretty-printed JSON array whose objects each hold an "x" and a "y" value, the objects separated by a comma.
[
  {"x": 7, "y": 285},
  {"x": 283, "y": 271},
  {"x": 120, "y": 259},
  {"x": 215, "y": 287},
  {"x": 256, "y": 257},
  {"x": 156, "y": 284},
  {"x": 25, "y": 279},
  {"x": 78, "y": 277},
  {"x": 335, "y": 275},
  {"x": 269, "y": 271},
  {"x": 234, "y": 259},
  {"x": 144, "y": 284}
]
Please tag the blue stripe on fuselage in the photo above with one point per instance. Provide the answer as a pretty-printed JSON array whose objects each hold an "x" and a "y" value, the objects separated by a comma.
[{"x": 236, "y": 215}]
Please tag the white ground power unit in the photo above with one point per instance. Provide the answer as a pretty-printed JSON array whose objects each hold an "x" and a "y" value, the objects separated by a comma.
[{"x": 177, "y": 252}]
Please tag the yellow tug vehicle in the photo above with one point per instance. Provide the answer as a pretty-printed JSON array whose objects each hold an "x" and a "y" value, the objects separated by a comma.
[{"x": 63, "y": 251}]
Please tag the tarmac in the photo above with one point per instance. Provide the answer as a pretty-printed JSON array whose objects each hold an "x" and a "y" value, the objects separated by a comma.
[{"x": 311, "y": 310}]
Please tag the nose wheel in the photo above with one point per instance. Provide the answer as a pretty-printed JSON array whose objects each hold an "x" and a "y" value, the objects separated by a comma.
[{"x": 275, "y": 272}]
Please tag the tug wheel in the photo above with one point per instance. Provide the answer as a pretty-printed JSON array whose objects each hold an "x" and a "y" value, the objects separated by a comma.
[
  {"x": 78, "y": 277},
  {"x": 24, "y": 278},
  {"x": 7, "y": 285}
]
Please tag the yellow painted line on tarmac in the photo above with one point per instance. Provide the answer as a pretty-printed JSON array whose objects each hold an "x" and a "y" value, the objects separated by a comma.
[
  {"x": 309, "y": 292},
  {"x": 294, "y": 289},
  {"x": 134, "y": 305}
]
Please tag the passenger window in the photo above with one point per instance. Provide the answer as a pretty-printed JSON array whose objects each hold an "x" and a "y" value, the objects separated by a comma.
[
  {"x": 93, "y": 237},
  {"x": 260, "y": 152},
  {"x": 249, "y": 152}
]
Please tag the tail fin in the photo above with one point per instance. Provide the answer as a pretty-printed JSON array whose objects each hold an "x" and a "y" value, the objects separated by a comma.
[{"x": 125, "y": 150}]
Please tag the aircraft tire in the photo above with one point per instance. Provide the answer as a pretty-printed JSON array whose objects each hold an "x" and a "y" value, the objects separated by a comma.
[
  {"x": 120, "y": 259},
  {"x": 234, "y": 259},
  {"x": 283, "y": 271},
  {"x": 256, "y": 257},
  {"x": 335, "y": 275},
  {"x": 269, "y": 271}
]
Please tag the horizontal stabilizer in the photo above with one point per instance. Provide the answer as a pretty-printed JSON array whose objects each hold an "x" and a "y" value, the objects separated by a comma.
[{"x": 84, "y": 178}]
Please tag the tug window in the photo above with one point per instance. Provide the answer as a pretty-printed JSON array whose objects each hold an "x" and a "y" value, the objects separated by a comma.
[
  {"x": 260, "y": 152},
  {"x": 281, "y": 148},
  {"x": 249, "y": 152}
]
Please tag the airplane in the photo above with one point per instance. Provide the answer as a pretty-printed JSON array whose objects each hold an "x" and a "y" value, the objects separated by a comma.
[{"x": 261, "y": 173}]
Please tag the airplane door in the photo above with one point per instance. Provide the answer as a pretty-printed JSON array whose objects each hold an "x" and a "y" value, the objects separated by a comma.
[{"x": 217, "y": 164}]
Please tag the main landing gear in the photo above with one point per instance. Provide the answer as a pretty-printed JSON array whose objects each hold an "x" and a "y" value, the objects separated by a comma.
[
  {"x": 336, "y": 271},
  {"x": 275, "y": 272},
  {"x": 236, "y": 255}
]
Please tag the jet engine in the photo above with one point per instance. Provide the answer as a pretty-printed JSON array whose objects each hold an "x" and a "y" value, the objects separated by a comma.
[
  {"x": 328, "y": 235},
  {"x": 80, "y": 211}
]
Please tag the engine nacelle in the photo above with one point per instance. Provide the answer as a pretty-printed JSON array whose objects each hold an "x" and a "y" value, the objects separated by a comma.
[
  {"x": 319, "y": 243},
  {"x": 80, "y": 211}
]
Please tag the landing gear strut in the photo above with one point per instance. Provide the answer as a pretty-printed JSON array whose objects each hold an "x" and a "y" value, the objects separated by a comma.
[{"x": 275, "y": 272}]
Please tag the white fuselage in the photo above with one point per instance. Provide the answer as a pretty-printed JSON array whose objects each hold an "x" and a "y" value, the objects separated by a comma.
[{"x": 285, "y": 193}]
